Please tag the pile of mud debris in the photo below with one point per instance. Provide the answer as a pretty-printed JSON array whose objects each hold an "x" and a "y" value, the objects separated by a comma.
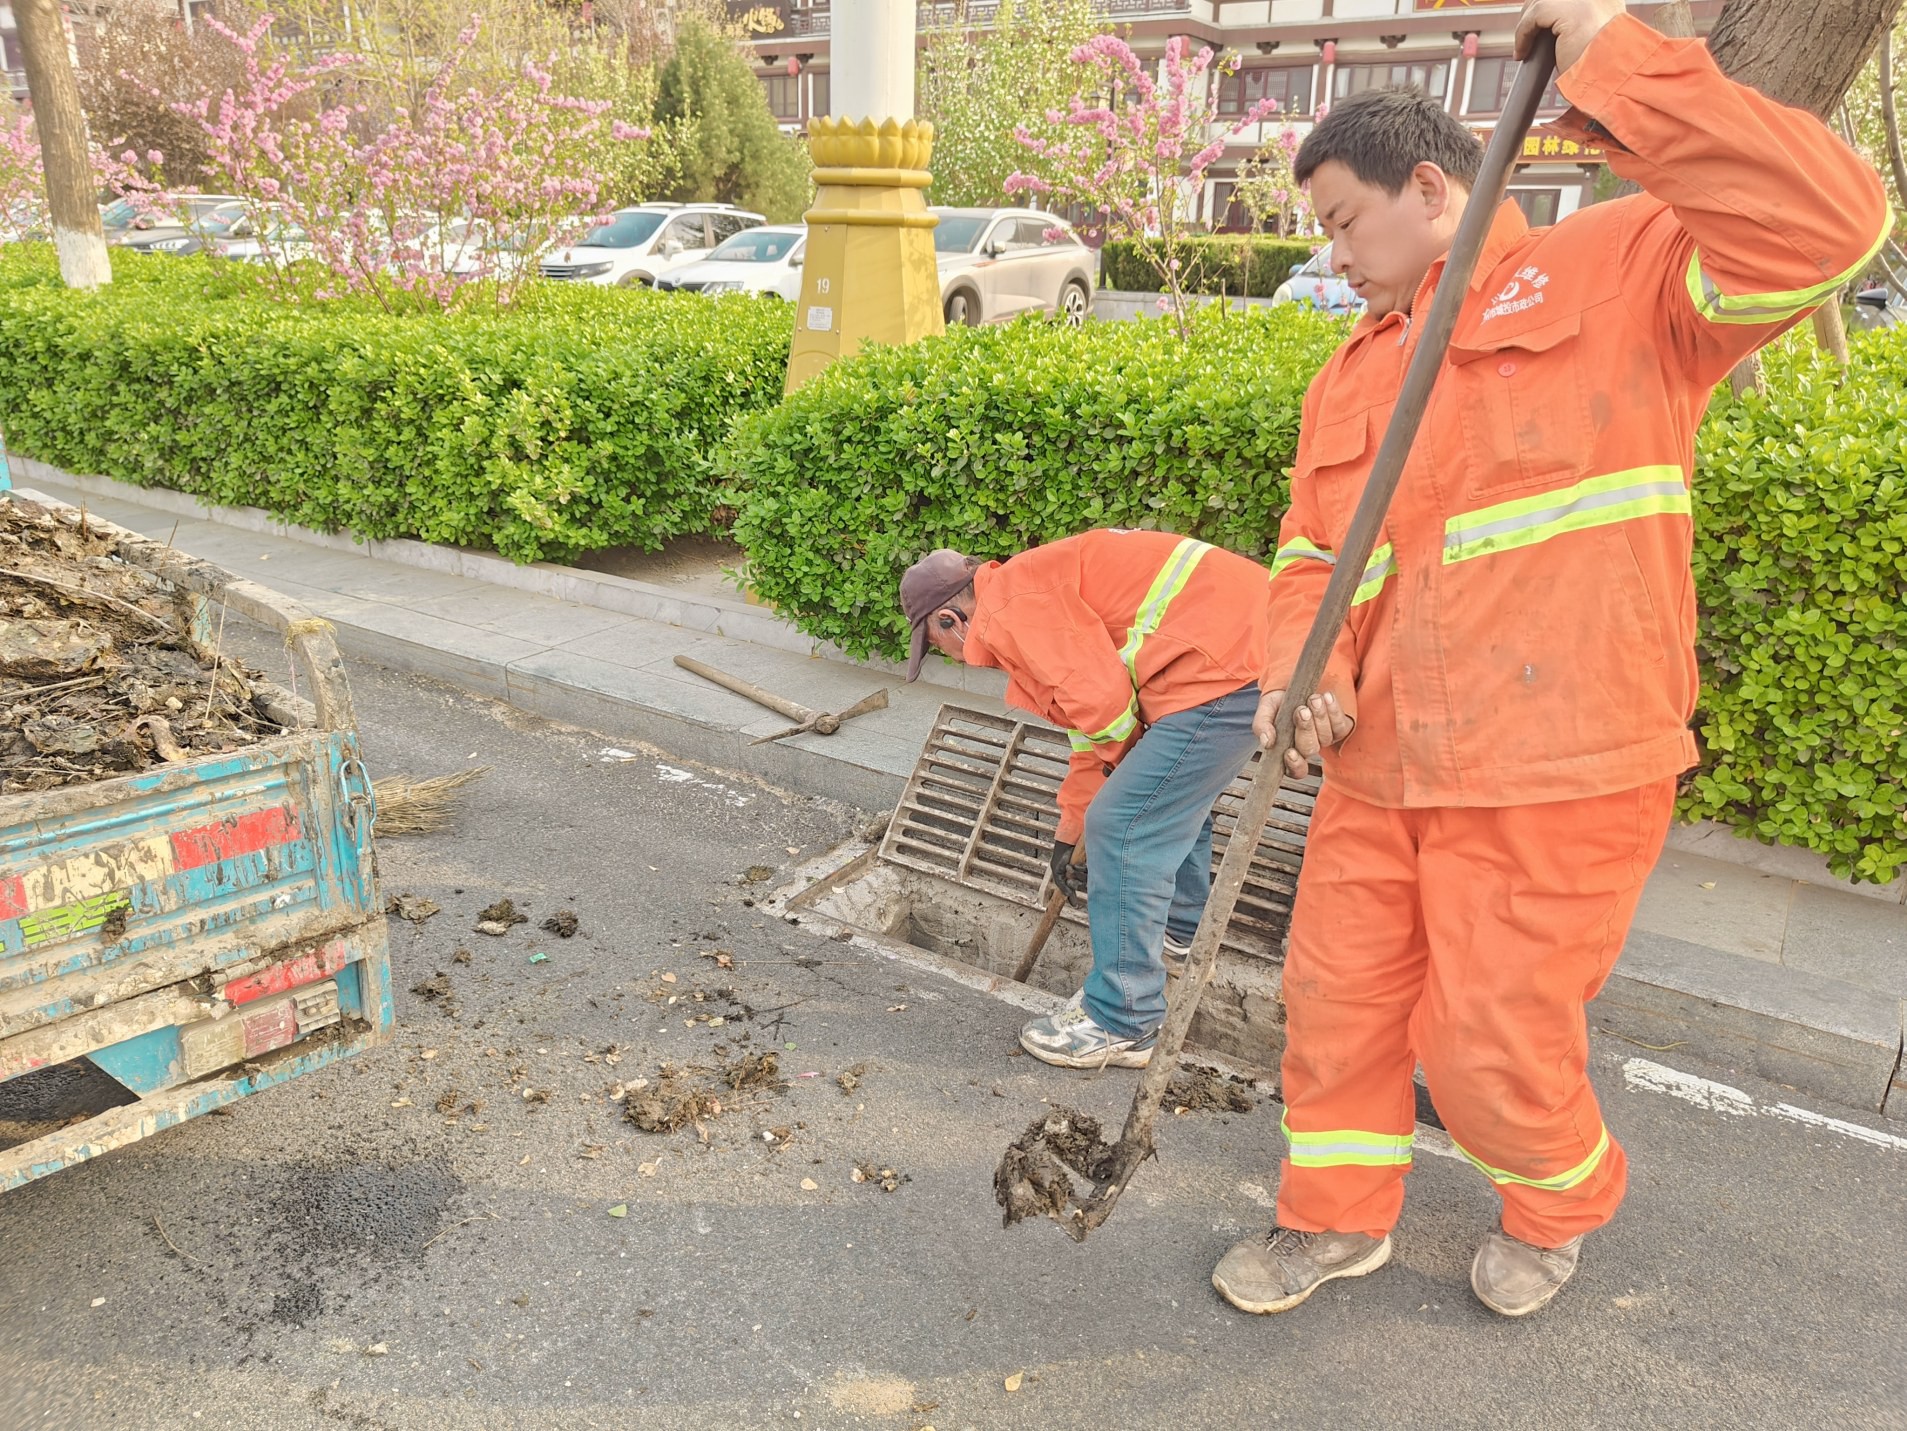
[{"x": 100, "y": 674}]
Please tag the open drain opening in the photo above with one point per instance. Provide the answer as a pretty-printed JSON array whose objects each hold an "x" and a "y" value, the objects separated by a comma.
[{"x": 960, "y": 879}]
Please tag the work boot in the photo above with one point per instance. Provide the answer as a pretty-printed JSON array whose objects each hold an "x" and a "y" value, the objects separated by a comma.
[
  {"x": 1070, "y": 1039},
  {"x": 1174, "y": 954},
  {"x": 1515, "y": 1278},
  {"x": 1275, "y": 1273}
]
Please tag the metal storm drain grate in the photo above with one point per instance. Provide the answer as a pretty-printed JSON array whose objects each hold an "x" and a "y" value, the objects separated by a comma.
[{"x": 981, "y": 807}]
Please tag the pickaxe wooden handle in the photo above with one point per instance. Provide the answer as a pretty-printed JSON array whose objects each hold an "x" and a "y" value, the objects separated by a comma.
[{"x": 819, "y": 722}]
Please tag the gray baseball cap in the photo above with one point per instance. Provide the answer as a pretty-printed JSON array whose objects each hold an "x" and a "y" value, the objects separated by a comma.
[{"x": 928, "y": 585}]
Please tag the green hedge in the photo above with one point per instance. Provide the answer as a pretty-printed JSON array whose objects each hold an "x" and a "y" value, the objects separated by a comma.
[
  {"x": 1214, "y": 264},
  {"x": 1801, "y": 530},
  {"x": 583, "y": 418},
  {"x": 994, "y": 439}
]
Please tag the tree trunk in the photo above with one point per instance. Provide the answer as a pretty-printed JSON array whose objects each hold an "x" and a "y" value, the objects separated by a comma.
[
  {"x": 1801, "y": 52},
  {"x": 1890, "y": 119},
  {"x": 72, "y": 201},
  {"x": 1675, "y": 20}
]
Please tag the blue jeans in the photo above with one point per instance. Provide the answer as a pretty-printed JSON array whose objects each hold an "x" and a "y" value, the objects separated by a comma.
[{"x": 1149, "y": 853}]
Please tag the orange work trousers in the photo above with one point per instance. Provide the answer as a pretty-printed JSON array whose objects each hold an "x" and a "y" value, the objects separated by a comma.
[{"x": 1467, "y": 940}]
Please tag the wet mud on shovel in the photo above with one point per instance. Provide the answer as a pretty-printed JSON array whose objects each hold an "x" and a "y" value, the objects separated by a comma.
[{"x": 1034, "y": 1177}]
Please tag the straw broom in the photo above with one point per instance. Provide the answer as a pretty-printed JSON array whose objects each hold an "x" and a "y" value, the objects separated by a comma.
[{"x": 408, "y": 806}]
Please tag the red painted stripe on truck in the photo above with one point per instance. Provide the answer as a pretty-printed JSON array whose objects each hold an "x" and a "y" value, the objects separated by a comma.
[
  {"x": 320, "y": 963},
  {"x": 237, "y": 835},
  {"x": 12, "y": 898}
]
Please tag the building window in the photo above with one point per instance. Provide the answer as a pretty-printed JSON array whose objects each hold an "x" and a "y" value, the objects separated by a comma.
[
  {"x": 821, "y": 95},
  {"x": 782, "y": 101},
  {"x": 1490, "y": 87},
  {"x": 1539, "y": 206},
  {"x": 1289, "y": 86},
  {"x": 1430, "y": 76}
]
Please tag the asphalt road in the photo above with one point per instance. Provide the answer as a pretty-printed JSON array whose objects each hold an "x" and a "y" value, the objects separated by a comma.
[{"x": 408, "y": 1241}]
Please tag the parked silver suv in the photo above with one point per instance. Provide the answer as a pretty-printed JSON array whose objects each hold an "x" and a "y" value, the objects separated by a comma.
[
  {"x": 640, "y": 244},
  {"x": 1000, "y": 263}
]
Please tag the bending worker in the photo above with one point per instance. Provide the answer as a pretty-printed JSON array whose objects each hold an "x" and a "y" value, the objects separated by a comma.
[
  {"x": 1146, "y": 647},
  {"x": 1521, "y": 648}
]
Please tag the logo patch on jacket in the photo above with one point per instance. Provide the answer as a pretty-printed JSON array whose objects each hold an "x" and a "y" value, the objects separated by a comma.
[{"x": 1520, "y": 294}]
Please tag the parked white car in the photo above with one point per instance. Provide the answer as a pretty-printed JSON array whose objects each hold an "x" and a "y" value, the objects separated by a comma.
[
  {"x": 638, "y": 245},
  {"x": 764, "y": 261},
  {"x": 1318, "y": 285},
  {"x": 999, "y": 263}
]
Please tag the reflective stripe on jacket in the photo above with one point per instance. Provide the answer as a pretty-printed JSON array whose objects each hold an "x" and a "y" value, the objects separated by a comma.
[
  {"x": 1106, "y": 632},
  {"x": 1525, "y": 632}
]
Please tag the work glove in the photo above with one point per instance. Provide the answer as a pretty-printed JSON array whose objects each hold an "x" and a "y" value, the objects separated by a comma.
[{"x": 1070, "y": 878}]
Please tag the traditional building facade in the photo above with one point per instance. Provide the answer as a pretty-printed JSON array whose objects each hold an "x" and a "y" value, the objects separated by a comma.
[{"x": 1302, "y": 53}]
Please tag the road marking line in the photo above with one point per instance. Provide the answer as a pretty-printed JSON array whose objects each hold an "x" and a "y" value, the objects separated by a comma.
[{"x": 1720, "y": 1098}]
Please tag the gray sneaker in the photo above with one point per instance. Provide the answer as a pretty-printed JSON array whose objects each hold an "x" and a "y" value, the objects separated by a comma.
[
  {"x": 1514, "y": 1278},
  {"x": 1275, "y": 1273},
  {"x": 1070, "y": 1039}
]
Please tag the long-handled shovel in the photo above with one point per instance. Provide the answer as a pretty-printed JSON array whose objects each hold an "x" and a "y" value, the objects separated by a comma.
[{"x": 1032, "y": 1176}]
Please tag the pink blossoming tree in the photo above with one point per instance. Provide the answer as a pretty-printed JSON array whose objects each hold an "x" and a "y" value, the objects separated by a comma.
[
  {"x": 469, "y": 189},
  {"x": 1133, "y": 151},
  {"x": 23, "y": 210}
]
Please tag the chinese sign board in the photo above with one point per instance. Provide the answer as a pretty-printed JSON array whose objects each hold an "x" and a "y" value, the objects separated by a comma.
[{"x": 1554, "y": 149}]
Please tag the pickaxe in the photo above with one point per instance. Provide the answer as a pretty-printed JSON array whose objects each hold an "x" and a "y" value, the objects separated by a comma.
[{"x": 811, "y": 722}]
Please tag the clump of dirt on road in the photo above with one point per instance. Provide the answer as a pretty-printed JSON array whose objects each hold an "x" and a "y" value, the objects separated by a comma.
[
  {"x": 679, "y": 1097},
  {"x": 885, "y": 1178},
  {"x": 1206, "y": 1090},
  {"x": 563, "y": 924},
  {"x": 504, "y": 912},
  {"x": 752, "y": 1070},
  {"x": 100, "y": 675}
]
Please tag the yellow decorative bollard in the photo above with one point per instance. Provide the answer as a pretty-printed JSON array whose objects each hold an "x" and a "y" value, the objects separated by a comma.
[{"x": 870, "y": 270}]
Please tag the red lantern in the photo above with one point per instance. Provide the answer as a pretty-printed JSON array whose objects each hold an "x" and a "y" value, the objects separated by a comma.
[
  {"x": 1470, "y": 45},
  {"x": 794, "y": 65},
  {"x": 1330, "y": 52}
]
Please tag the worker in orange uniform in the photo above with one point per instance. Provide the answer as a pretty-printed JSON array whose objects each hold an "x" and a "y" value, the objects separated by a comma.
[
  {"x": 1146, "y": 648},
  {"x": 1513, "y": 689}
]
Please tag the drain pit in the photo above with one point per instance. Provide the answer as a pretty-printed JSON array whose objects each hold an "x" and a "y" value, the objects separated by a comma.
[
  {"x": 978, "y": 938},
  {"x": 959, "y": 880}
]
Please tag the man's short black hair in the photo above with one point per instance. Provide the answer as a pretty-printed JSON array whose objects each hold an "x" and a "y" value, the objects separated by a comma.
[{"x": 1382, "y": 135}]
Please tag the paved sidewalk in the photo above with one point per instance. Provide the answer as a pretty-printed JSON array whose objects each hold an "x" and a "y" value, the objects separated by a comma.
[{"x": 1752, "y": 968}]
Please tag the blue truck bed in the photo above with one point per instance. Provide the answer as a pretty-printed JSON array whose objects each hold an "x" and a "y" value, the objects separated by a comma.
[{"x": 200, "y": 931}]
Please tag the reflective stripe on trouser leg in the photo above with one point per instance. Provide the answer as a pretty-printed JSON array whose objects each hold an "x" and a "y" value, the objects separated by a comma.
[
  {"x": 1354, "y": 972},
  {"x": 1526, "y": 908},
  {"x": 1347, "y": 1147}
]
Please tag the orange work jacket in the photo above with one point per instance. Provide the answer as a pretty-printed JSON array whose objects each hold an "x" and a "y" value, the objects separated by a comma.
[
  {"x": 1525, "y": 630},
  {"x": 1106, "y": 632}
]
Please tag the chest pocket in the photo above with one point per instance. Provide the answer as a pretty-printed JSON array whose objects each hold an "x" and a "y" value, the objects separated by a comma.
[
  {"x": 1338, "y": 455},
  {"x": 1524, "y": 400}
]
